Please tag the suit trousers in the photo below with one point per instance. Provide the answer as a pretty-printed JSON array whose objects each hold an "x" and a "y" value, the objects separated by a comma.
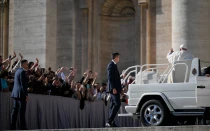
[
  {"x": 206, "y": 114},
  {"x": 19, "y": 106},
  {"x": 115, "y": 104}
]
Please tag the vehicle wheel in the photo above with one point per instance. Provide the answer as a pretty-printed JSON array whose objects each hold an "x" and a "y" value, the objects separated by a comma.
[{"x": 154, "y": 113}]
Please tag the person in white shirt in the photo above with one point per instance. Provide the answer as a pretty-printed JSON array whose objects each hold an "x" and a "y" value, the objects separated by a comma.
[{"x": 181, "y": 55}]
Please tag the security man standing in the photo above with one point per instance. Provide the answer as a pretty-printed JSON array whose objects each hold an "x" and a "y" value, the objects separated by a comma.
[{"x": 114, "y": 88}]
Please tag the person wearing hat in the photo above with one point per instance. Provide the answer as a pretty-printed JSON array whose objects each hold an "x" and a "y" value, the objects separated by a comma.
[{"x": 181, "y": 55}]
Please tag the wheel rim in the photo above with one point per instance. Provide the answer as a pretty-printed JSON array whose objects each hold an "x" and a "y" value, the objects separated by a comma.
[{"x": 153, "y": 115}]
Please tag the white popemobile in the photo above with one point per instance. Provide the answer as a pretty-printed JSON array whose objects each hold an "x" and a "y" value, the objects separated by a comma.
[{"x": 152, "y": 99}]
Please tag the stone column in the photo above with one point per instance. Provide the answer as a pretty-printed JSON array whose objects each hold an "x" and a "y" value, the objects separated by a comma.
[
  {"x": 51, "y": 34},
  {"x": 84, "y": 39},
  {"x": 191, "y": 26},
  {"x": 146, "y": 22},
  {"x": 1, "y": 32},
  {"x": 78, "y": 39},
  {"x": 29, "y": 29},
  {"x": 5, "y": 30},
  {"x": 90, "y": 34},
  {"x": 96, "y": 67},
  {"x": 148, "y": 32},
  {"x": 11, "y": 26},
  {"x": 83, "y": 6},
  {"x": 179, "y": 23},
  {"x": 94, "y": 35},
  {"x": 137, "y": 29},
  {"x": 143, "y": 6},
  {"x": 66, "y": 32}
]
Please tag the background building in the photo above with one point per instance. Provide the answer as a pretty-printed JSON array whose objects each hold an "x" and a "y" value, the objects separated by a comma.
[{"x": 83, "y": 33}]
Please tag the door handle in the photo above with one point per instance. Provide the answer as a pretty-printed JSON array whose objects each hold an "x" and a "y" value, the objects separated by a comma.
[{"x": 201, "y": 87}]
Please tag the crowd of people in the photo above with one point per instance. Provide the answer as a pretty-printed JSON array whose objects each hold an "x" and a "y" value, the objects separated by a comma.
[
  {"x": 48, "y": 82},
  {"x": 62, "y": 81}
]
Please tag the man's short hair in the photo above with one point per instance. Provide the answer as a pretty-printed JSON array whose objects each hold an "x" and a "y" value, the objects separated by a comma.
[
  {"x": 114, "y": 55},
  {"x": 23, "y": 61}
]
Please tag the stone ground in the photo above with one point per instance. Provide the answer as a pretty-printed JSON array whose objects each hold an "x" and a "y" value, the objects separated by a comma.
[{"x": 171, "y": 128}]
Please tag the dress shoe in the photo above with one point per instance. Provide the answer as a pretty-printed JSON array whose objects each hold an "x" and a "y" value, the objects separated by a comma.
[
  {"x": 111, "y": 124},
  {"x": 108, "y": 124},
  {"x": 114, "y": 125}
]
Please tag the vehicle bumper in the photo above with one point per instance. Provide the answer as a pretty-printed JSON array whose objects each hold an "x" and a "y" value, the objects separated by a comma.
[{"x": 131, "y": 109}]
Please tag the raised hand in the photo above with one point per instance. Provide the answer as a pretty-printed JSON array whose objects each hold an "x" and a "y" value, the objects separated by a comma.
[
  {"x": 74, "y": 72},
  {"x": 171, "y": 50},
  {"x": 21, "y": 57},
  {"x": 14, "y": 55},
  {"x": 88, "y": 73},
  {"x": 66, "y": 68},
  {"x": 37, "y": 60},
  {"x": 96, "y": 74}
]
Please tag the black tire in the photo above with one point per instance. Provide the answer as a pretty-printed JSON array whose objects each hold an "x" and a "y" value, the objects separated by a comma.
[{"x": 159, "y": 115}]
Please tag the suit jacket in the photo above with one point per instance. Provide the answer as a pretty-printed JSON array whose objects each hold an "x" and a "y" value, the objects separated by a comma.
[
  {"x": 206, "y": 71},
  {"x": 114, "y": 80},
  {"x": 20, "y": 85}
]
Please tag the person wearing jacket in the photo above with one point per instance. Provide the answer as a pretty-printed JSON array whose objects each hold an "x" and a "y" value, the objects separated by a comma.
[
  {"x": 114, "y": 88},
  {"x": 20, "y": 96}
]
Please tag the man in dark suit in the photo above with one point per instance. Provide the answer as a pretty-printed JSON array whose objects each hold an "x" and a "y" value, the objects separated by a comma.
[
  {"x": 114, "y": 88},
  {"x": 206, "y": 113},
  {"x": 20, "y": 96}
]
